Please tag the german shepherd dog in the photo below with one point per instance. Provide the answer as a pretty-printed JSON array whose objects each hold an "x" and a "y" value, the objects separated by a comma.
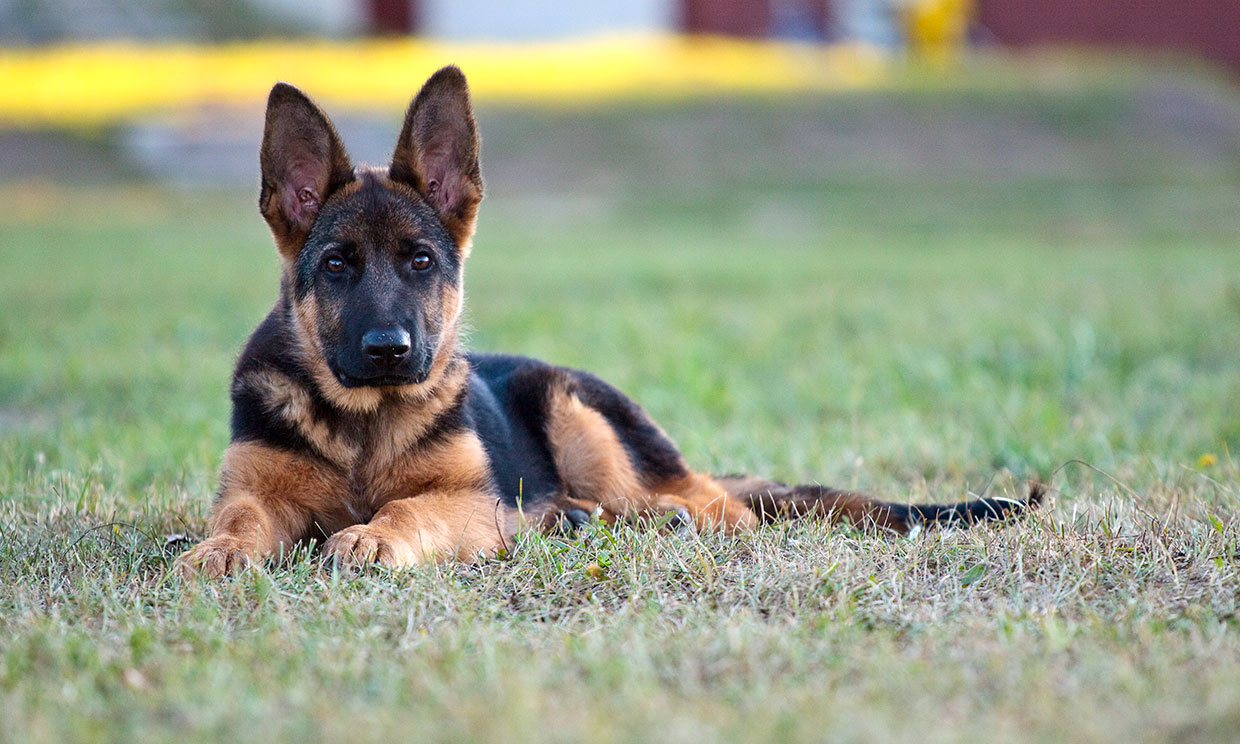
[{"x": 359, "y": 421}]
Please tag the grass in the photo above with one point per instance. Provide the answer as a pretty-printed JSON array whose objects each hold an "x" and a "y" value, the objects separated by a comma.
[{"x": 917, "y": 295}]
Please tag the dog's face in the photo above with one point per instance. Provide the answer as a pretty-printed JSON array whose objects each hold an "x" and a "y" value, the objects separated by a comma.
[
  {"x": 383, "y": 276},
  {"x": 373, "y": 257}
]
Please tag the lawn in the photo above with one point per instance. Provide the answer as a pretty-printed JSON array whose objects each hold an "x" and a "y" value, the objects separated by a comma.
[{"x": 919, "y": 293}]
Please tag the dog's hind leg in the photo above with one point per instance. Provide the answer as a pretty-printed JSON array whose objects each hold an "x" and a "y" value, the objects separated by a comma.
[
  {"x": 608, "y": 453},
  {"x": 707, "y": 502}
]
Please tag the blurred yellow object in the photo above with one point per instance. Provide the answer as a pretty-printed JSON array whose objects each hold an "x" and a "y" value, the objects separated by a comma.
[
  {"x": 104, "y": 83},
  {"x": 1207, "y": 460},
  {"x": 938, "y": 29}
]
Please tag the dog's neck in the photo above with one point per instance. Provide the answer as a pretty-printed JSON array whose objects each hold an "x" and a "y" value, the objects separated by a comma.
[{"x": 358, "y": 439}]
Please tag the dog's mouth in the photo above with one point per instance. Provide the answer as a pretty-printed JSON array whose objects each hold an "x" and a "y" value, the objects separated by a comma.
[
  {"x": 353, "y": 372},
  {"x": 383, "y": 380}
]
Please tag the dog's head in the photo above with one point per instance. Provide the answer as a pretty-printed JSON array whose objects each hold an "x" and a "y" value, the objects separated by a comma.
[{"x": 373, "y": 257}]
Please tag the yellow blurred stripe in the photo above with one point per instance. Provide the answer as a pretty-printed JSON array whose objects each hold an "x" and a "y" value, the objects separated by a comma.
[{"x": 103, "y": 83}]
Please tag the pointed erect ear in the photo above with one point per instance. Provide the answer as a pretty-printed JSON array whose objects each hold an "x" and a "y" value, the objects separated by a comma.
[
  {"x": 437, "y": 153},
  {"x": 302, "y": 162}
]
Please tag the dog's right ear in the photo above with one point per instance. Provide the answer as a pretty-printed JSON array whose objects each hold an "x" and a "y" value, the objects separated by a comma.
[{"x": 302, "y": 162}]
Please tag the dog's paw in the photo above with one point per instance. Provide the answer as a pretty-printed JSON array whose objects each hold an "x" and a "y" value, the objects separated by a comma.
[
  {"x": 681, "y": 522},
  {"x": 214, "y": 557},
  {"x": 361, "y": 544},
  {"x": 566, "y": 523}
]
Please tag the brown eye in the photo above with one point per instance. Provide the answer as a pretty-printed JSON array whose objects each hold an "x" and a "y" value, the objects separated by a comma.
[
  {"x": 334, "y": 264},
  {"x": 422, "y": 261}
]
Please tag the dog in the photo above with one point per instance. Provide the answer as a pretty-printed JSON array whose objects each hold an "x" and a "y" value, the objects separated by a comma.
[{"x": 359, "y": 422}]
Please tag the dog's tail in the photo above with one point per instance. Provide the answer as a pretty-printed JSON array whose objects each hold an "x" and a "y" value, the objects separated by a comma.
[{"x": 773, "y": 501}]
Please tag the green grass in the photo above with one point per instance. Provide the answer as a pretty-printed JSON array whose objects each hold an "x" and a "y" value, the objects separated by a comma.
[{"x": 919, "y": 295}]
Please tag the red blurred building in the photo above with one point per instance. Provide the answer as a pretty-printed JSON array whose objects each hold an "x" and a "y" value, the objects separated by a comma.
[
  {"x": 753, "y": 18},
  {"x": 1209, "y": 28}
]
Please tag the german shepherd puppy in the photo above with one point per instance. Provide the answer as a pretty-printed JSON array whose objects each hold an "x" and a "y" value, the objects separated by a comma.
[{"x": 358, "y": 419}]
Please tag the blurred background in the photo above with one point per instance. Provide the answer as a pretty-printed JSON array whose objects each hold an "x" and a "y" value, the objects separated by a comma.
[
  {"x": 964, "y": 234},
  {"x": 172, "y": 88}
]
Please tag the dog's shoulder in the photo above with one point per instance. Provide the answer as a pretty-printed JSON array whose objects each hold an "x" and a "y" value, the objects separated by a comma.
[
  {"x": 270, "y": 346},
  {"x": 518, "y": 383},
  {"x": 538, "y": 397},
  {"x": 507, "y": 410},
  {"x": 271, "y": 391}
]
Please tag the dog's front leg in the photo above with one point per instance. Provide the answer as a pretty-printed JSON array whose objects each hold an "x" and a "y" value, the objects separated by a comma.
[
  {"x": 267, "y": 500},
  {"x": 432, "y": 526}
]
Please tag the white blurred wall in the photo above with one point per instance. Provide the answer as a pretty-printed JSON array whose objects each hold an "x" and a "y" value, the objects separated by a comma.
[
  {"x": 543, "y": 19},
  {"x": 331, "y": 17}
]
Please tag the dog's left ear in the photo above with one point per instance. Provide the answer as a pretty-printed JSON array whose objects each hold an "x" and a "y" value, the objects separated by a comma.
[{"x": 437, "y": 153}]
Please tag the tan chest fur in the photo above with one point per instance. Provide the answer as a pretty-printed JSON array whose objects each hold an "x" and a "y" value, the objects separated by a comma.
[{"x": 379, "y": 459}]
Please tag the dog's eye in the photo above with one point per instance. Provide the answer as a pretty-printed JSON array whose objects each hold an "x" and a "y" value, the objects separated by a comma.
[
  {"x": 422, "y": 261},
  {"x": 334, "y": 264}
]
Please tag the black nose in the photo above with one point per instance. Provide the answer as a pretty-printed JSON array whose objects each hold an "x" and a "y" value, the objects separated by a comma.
[{"x": 386, "y": 346}]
